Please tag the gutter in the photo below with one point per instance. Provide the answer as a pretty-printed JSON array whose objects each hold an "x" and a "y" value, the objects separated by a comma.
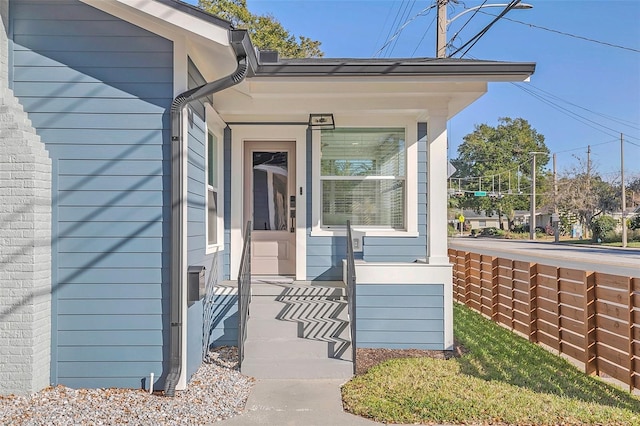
[{"x": 239, "y": 40}]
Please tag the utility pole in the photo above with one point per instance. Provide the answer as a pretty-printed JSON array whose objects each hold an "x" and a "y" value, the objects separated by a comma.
[
  {"x": 441, "y": 30},
  {"x": 624, "y": 199},
  {"x": 556, "y": 218},
  {"x": 585, "y": 232},
  {"x": 532, "y": 218}
]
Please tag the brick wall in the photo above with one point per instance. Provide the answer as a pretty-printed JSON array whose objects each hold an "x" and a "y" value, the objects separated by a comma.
[
  {"x": 4, "y": 49},
  {"x": 25, "y": 243}
]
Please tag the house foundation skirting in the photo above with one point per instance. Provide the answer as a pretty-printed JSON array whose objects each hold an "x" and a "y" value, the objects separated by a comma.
[
  {"x": 404, "y": 306},
  {"x": 25, "y": 243}
]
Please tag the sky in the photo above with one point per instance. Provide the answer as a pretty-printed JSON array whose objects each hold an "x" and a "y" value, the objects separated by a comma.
[{"x": 586, "y": 88}]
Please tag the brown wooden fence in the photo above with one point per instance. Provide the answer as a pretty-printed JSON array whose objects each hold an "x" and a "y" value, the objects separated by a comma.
[{"x": 589, "y": 316}]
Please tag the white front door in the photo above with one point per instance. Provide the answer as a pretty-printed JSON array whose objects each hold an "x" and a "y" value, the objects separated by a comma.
[{"x": 269, "y": 202}]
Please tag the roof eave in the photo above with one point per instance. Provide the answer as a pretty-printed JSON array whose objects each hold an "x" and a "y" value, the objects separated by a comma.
[{"x": 516, "y": 70}]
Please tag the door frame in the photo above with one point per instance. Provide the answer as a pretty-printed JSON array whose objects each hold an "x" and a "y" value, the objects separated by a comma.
[
  {"x": 241, "y": 133},
  {"x": 259, "y": 264}
]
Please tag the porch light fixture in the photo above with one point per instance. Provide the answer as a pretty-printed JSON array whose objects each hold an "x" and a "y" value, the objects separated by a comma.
[{"x": 321, "y": 122}]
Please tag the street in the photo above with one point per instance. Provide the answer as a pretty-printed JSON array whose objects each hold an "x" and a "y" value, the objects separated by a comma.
[{"x": 607, "y": 260}]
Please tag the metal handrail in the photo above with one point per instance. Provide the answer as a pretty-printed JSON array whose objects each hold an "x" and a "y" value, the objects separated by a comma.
[
  {"x": 351, "y": 293},
  {"x": 244, "y": 293}
]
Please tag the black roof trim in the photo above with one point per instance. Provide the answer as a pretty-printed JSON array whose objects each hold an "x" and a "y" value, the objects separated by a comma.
[
  {"x": 197, "y": 12},
  {"x": 319, "y": 67}
]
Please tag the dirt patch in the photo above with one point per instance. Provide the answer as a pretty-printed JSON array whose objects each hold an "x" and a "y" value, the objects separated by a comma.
[{"x": 367, "y": 357}]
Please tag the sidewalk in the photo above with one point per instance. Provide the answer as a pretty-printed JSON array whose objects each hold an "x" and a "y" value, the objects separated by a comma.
[{"x": 296, "y": 402}]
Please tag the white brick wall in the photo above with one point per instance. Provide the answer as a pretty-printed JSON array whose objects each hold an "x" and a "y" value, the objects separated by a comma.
[
  {"x": 4, "y": 49},
  {"x": 25, "y": 243}
]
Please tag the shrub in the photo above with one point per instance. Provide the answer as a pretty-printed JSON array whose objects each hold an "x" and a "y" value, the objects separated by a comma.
[
  {"x": 634, "y": 222},
  {"x": 601, "y": 226},
  {"x": 634, "y": 235},
  {"x": 520, "y": 229},
  {"x": 611, "y": 237},
  {"x": 490, "y": 231}
]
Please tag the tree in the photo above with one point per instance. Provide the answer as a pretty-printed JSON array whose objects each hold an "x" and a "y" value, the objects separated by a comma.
[
  {"x": 633, "y": 191},
  {"x": 602, "y": 226},
  {"x": 582, "y": 192},
  {"x": 493, "y": 156},
  {"x": 265, "y": 30}
]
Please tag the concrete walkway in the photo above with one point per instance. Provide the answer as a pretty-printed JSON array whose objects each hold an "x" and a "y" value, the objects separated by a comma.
[{"x": 298, "y": 350}]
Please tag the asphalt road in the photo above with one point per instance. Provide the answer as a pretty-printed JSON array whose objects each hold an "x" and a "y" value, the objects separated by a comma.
[{"x": 608, "y": 260}]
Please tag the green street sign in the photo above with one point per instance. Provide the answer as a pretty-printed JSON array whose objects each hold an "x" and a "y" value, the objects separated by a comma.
[{"x": 480, "y": 193}]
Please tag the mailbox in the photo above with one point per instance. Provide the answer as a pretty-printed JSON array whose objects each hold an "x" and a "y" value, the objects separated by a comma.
[{"x": 195, "y": 283}]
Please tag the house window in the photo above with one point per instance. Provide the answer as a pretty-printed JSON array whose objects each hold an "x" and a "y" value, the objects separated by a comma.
[
  {"x": 363, "y": 177},
  {"x": 212, "y": 189}
]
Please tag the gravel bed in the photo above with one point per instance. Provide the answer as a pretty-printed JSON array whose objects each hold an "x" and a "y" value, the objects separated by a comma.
[{"x": 216, "y": 392}]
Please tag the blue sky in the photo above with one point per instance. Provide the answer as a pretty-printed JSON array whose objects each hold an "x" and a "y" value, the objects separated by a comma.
[{"x": 600, "y": 82}]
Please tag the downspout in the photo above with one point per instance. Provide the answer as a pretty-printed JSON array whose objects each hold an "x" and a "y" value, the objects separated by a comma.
[{"x": 241, "y": 46}]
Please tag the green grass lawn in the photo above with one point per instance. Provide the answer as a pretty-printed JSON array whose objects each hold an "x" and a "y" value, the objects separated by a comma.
[{"x": 502, "y": 379}]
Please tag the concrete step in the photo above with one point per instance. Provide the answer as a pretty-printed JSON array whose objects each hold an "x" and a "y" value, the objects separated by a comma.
[
  {"x": 297, "y": 330},
  {"x": 286, "y": 348},
  {"x": 299, "y": 291},
  {"x": 263, "y": 309},
  {"x": 257, "y": 328},
  {"x": 297, "y": 368}
]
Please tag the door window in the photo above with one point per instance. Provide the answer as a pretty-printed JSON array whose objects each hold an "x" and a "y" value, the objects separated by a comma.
[{"x": 270, "y": 191}]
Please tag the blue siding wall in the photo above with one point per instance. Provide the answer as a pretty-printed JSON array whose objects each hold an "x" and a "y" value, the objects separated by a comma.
[
  {"x": 196, "y": 217},
  {"x": 325, "y": 254},
  {"x": 97, "y": 90},
  {"x": 224, "y": 314},
  {"x": 400, "y": 316}
]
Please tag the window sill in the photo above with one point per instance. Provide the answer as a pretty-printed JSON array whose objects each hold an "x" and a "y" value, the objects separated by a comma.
[
  {"x": 215, "y": 248},
  {"x": 318, "y": 232}
]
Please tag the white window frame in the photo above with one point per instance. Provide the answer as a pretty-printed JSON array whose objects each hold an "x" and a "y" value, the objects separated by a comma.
[
  {"x": 409, "y": 124},
  {"x": 215, "y": 126}
]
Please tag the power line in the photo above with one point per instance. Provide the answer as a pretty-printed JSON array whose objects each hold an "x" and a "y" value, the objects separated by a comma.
[
  {"x": 608, "y": 117},
  {"x": 424, "y": 35},
  {"x": 423, "y": 12},
  {"x": 385, "y": 24},
  {"x": 472, "y": 42},
  {"x": 586, "y": 146},
  {"x": 465, "y": 24},
  {"x": 572, "y": 114},
  {"x": 393, "y": 25},
  {"x": 617, "y": 46},
  {"x": 405, "y": 15}
]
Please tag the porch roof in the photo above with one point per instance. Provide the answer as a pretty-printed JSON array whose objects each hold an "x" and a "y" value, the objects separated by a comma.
[{"x": 401, "y": 67}]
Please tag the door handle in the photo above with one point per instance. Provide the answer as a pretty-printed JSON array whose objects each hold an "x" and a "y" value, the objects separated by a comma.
[{"x": 292, "y": 215}]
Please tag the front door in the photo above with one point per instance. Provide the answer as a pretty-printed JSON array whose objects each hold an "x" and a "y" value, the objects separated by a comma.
[{"x": 269, "y": 202}]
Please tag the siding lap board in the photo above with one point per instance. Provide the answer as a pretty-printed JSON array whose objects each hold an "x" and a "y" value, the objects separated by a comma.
[
  {"x": 97, "y": 90},
  {"x": 400, "y": 316}
]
